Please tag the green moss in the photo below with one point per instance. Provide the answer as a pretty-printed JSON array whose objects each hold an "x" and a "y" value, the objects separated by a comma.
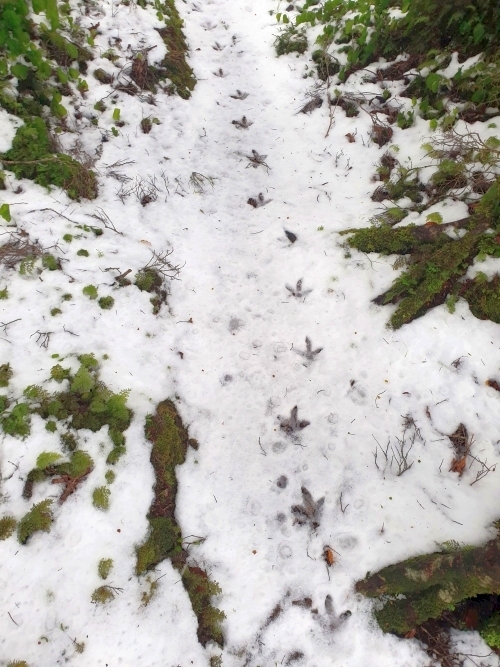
[
  {"x": 106, "y": 302},
  {"x": 5, "y": 375},
  {"x": 90, "y": 291},
  {"x": 50, "y": 262},
  {"x": 88, "y": 361},
  {"x": 147, "y": 279},
  {"x": 58, "y": 373},
  {"x": 175, "y": 64},
  {"x": 83, "y": 253},
  {"x": 68, "y": 238},
  {"x": 69, "y": 441},
  {"x": 290, "y": 40},
  {"x": 47, "y": 459},
  {"x": 18, "y": 663},
  {"x": 38, "y": 519},
  {"x": 33, "y": 157},
  {"x": 170, "y": 440},
  {"x": 104, "y": 567},
  {"x": 100, "y": 498},
  {"x": 67, "y": 297},
  {"x": 4, "y": 294},
  {"x": 110, "y": 476},
  {"x": 17, "y": 422},
  {"x": 55, "y": 311},
  {"x": 102, "y": 595},
  {"x": 201, "y": 590},
  {"x": 490, "y": 631},
  {"x": 483, "y": 298},
  {"x": 7, "y": 527},
  {"x": 51, "y": 426},
  {"x": 326, "y": 66}
]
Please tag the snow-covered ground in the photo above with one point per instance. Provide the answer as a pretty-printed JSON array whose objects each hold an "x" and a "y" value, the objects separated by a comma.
[{"x": 229, "y": 348}]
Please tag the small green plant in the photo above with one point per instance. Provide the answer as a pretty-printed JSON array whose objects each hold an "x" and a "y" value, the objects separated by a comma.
[
  {"x": 104, "y": 567},
  {"x": 18, "y": 663},
  {"x": 47, "y": 459},
  {"x": 148, "y": 595},
  {"x": 4, "y": 294},
  {"x": 67, "y": 297},
  {"x": 58, "y": 373},
  {"x": 5, "y": 375},
  {"x": 106, "y": 302},
  {"x": 83, "y": 253},
  {"x": 55, "y": 311},
  {"x": 68, "y": 238},
  {"x": 100, "y": 498},
  {"x": 290, "y": 40},
  {"x": 116, "y": 114},
  {"x": 50, "y": 262},
  {"x": 27, "y": 266},
  {"x": 51, "y": 426},
  {"x": 5, "y": 212},
  {"x": 102, "y": 595},
  {"x": 17, "y": 421},
  {"x": 146, "y": 125},
  {"x": 110, "y": 476},
  {"x": 90, "y": 291},
  {"x": 7, "y": 527},
  {"x": 38, "y": 519},
  {"x": 490, "y": 631}
]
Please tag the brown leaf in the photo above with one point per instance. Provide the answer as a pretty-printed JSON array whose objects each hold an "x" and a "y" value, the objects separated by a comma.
[{"x": 458, "y": 465}]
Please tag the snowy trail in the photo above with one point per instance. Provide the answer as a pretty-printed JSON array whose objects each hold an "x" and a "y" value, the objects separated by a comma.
[{"x": 228, "y": 348}]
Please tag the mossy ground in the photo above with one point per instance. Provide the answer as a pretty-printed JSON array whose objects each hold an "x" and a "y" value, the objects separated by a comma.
[
  {"x": 175, "y": 64},
  {"x": 85, "y": 403},
  {"x": 170, "y": 441},
  {"x": 32, "y": 156},
  {"x": 438, "y": 262}
]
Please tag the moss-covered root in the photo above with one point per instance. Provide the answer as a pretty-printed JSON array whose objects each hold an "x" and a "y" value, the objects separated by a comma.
[
  {"x": 170, "y": 441},
  {"x": 177, "y": 68},
  {"x": 432, "y": 584}
]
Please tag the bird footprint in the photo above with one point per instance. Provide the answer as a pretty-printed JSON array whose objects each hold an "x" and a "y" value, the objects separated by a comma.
[
  {"x": 310, "y": 511},
  {"x": 239, "y": 95},
  {"x": 297, "y": 291},
  {"x": 291, "y": 424},
  {"x": 258, "y": 201},
  {"x": 242, "y": 124},
  {"x": 309, "y": 354}
]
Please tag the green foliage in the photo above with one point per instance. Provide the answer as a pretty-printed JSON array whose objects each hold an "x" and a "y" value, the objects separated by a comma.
[
  {"x": 88, "y": 361},
  {"x": 55, "y": 311},
  {"x": 32, "y": 156},
  {"x": 100, "y": 498},
  {"x": 27, "y": 266},
  {"x": 4, "y": 294},
  {"x": 5, "y": 374},
  {"x": 201, "y": 590},
  {"x": 490, "y": 631},
  {"x": 102, "y": 595},
  {"x": 90, "y": 291},
  {"x": 67, "y": 297},
  {"x": 58, "y": 373},
  {"x": 7, "y": 527},
  {"x": 39, "y": 518},
  {"x": 104, "y": 567},
  {"x": 51, "y": 426},
  {"x": 47, "y": 459},
  {"x": 5, "y": 212},
  {"x": 83, "y": 253},
  {"x": 291, "y": 40},
  {"x": 106, "y": 302},
  {"x": 147, "y": 279},
  {"x": 68, "y": 238},
  {"x": 69, "y": 441},
  {"x": 17, "y": 421}
]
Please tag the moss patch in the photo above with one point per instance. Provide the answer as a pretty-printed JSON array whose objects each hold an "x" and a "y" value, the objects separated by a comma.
[
  {"x": 5, "y": 375},
  {"x": 32, "y": 156},
  {"x": 438, "y": 262},
  {"x": 175, "y": 64},
  {"x": 39, "y": 518},
  {"x": 7, "y": 527},
  {"x": 170, "y": 441}
]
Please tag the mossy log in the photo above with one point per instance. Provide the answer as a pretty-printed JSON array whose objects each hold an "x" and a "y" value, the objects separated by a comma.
[
  {"x": 421, "y": 588},
  {"x": 437, "y": 262}
]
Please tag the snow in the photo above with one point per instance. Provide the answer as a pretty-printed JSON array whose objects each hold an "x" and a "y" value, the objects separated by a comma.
[{"x": 239, "y": 329}]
